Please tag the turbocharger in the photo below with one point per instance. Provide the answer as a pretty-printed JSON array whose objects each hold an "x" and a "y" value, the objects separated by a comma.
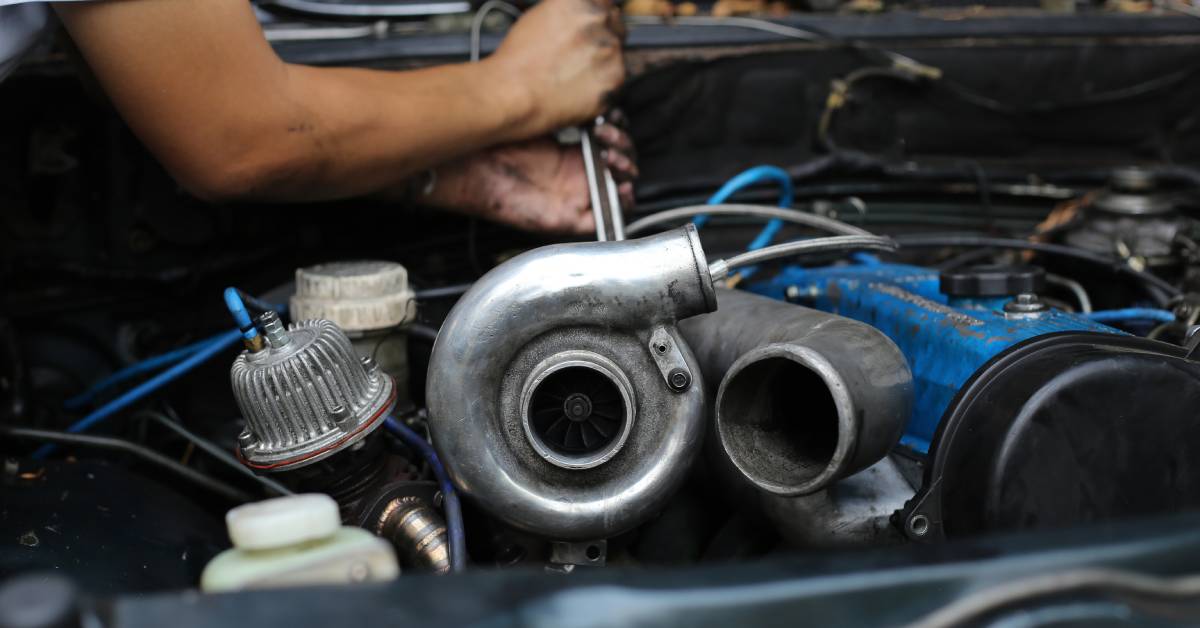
[{"x": 562, "y": 398}]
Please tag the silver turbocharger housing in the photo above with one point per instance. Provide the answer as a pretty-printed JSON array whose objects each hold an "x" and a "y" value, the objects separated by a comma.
[
  {"x": 562, "y": 398},
  {"x": 306, "y": 396}
]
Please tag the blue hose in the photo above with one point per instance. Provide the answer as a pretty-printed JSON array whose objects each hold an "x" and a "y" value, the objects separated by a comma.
[
  {"x": 233, "y": 301},
  {"x": 260, "y": 304},
  {"x": 133, "y": 370},
  {"x": 454, "y": 520},
  {"x": 1132, "y": 314},
  {"x": 137, "y": 393},
  {"x": 747, "y": 178}
]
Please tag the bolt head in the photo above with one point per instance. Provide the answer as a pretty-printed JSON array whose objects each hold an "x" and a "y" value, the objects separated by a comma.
[
  {"x": 1025, "y": 303},
  {"x": 247, "y": 440},
  {"x": 340, "y": 414},
  {"x": 577, "y": 407},
  {"x": 679, "y": 380}
]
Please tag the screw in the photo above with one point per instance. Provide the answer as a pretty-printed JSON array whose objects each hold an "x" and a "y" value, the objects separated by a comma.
[
  {"x": 247, "y": 440},
  {"x": 679, "y": 380},
  {"x": 369, "y": 363},
  {"x": 340, "y": 414}
]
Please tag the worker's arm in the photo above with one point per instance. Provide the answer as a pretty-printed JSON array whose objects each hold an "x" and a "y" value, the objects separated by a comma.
[{"x": 204, "y": 91}]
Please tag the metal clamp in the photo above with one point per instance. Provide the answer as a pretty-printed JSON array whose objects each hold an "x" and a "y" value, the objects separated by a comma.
[{"x": 670, "y": 360}]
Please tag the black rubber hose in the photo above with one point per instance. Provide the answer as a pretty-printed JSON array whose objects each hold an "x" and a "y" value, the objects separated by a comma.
[
  {"x": 443, "y": 292},
  {"x": 116, "y": 444},
  {"x": 215, "y": 451},
  {"x": 1157, "y": 288}
]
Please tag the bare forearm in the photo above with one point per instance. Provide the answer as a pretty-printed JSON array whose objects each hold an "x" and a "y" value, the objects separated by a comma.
[
  {"x": 358, "y": 132},
  {"x": 200, "y": 86}
]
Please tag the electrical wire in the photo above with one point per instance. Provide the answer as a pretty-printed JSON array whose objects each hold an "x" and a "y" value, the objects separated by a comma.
[
  {"x": 841, "y": 89},
  {"x": 1132, "y": 314},
  {"x": 1138, "y": 590},
  {"x": 720, "y": 269},
  {"x": 906, "y": 68},
  {"x": 480, "y": 15},
  {"x": 793, "y": 216},
  {"x": 214, "y": 450},
  {"x": 443, "y": 292},
  {"x": 137, "y": 393},
  {"x": 1075, "y": 288},
  {"x": 1159, "y": 290},
  {"x": 454, "y": 521},
  {"x": 116, "y": 444}
]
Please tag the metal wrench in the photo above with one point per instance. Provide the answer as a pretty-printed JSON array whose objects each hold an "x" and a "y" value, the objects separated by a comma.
[{"x": 606, "y": 202}]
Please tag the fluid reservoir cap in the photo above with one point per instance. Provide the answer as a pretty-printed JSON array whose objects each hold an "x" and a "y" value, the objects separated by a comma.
[
  {"x": 283, "y": 521},
  {"x": 992, "y": 280},
  {"x": 357, "y": 296}
]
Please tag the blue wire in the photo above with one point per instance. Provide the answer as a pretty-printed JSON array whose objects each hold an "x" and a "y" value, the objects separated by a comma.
[
  {"x": 1132, "y": 314},
  {"x": 133, "y": 370},
  {"x": 454, "y": 520},
  {"x": 233, "y": 301},
  {"x": 137, "y": 393}
]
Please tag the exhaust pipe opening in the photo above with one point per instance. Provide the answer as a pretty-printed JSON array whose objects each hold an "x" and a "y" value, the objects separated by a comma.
[{"x": 781, "y": 415}]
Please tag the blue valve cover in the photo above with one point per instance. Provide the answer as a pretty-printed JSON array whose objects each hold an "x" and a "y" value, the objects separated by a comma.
[{"x": 945, "y": 340}]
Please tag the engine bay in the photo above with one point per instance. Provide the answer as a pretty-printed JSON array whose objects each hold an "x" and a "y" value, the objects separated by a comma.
[{"x": 898, "y": 279}]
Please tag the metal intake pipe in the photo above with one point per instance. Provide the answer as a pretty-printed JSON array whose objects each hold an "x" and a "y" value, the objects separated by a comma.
[
  {"x": 562, "y": 398},
  {"x": 806, "y": 398}
]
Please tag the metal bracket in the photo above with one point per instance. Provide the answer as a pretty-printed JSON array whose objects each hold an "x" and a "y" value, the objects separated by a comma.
[
  {"x": 579, "y": 553},
  {"x": 917, "y": 519},
  {"x": 669, "y": 359}
]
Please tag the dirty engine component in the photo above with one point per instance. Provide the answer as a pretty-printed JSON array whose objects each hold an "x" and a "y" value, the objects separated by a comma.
[{"x": 561, "y": 395}]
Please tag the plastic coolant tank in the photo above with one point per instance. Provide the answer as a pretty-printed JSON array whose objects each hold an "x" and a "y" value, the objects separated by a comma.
[
  {"x": 296, "y": 541},
  {"x": 360, "y": 296},
  {"x": 369, "y": 300}
]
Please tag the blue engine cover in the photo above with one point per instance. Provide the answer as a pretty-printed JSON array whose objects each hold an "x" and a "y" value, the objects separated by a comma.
[{"x": 945, "y": 340}]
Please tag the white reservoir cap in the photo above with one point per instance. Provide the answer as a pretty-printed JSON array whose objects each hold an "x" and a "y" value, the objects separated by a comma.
[
  {"x": 283, "y": 521},
  {"x": 357, "y": 296}
]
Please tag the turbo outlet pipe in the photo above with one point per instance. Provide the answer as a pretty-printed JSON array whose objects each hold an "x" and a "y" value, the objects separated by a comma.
[{"x": 806, "y": 398}]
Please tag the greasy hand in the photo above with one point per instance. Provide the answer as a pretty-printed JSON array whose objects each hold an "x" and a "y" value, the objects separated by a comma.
[
  {"x": 537, "y": 185},
  {"x": 566, "y": 56}
]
